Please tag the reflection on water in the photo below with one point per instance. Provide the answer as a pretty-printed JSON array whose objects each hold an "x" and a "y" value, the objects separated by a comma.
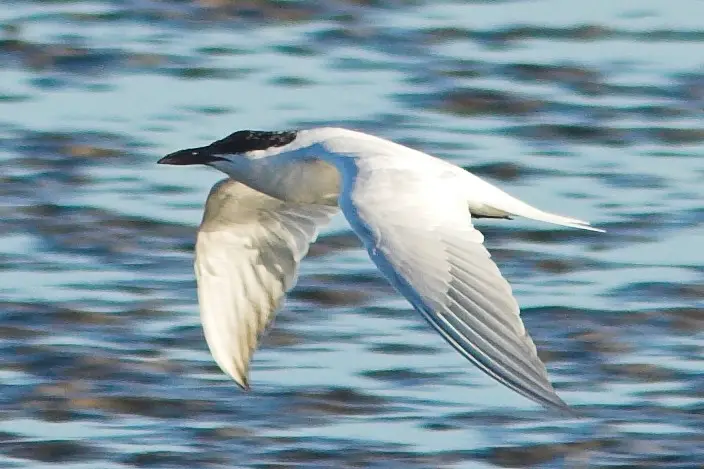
[{"x": 593, "y": 110}]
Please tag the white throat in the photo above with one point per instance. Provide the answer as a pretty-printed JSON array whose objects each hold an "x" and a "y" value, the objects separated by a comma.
[{"x": 292, "y": 176}]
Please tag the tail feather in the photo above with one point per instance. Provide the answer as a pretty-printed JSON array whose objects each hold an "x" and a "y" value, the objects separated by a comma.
[
  {"x": 535, "y": 214},
  {"x": 490, "y": 201}
]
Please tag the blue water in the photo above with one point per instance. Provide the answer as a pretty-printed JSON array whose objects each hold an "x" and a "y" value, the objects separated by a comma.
[{"x": 594, "y": 110}]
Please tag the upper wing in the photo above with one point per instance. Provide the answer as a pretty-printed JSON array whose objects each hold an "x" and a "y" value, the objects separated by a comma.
[
  {"x": 247, "y": 254},
  {"x": 422, "y": 239}
]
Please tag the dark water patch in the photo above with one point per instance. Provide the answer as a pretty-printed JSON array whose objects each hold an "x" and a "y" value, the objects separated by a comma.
[
  {"x": 14, "y": 98},
  {"x": 403, "y": 376},
  {"x": 631, "y": 180},
  {"x": 78, "y": 64},
  {"x": 146, "y": 406},
  {"x": 27, "y": 314},
  {"x": 690, "y": 90},
  {"x": 673, "y": 136},
  {"x": 205, "y": 73},
  {"x": 570, "y": 454},
  {"x": 48, "y": 150},
  {"x": 296, "y": 50},
  {"x": 259, "y": 10},
  {"x": 439, "y": 426},
  {"x": 402, "y": 349},
  {"x": 17, "y": 333},
  {"x": 81, "y": 363},
  {"x": 278, "y": 337},
  {"x": 366, "y": 282},
  {"x": 219, "y": 51},
  {"x": 190, "y": 15},
  {"x": 579, "y": 79},
  {"x": 508, "y": 171},
  {"x": 225, "y": 433},
  {"x": 66, "y": 58},
  {"x": 460, "y": 69},
  {"x": 657, "y": 112},
  {"x": 602, "y": 341},
  {"x": 557, "y": 314},
  {"x": 365, "y": 65},
  {"x": 368, "y": 454},
  {"x": 338, "y": 401},
  {"x": 653, "y": 92},
  {"x": 389, "y": 313},
  {"x": 504, "y": 35},
  {"x": 472, "y": 102},
  {"x": 292, "y": 82},
  {"x": 588, "y": 337},
  {"x": 639, "y": 372},
  {"x": 168, "y": 189},
  {"x": 6, "y": 437},
  {"x": 440, "y": 35},
  {"x": 174, "y": 459},
  {"x": 119, "y": 367},
  {"x": 524, "y": 263},
  {"x": 53, "y": 451},
  {"x": 146, "y": 310},
  {"x": 486, "y": 419},
  {"x": 53, "y": 410},
  {"x": 71, "y": 316},
  {"x": 211, "y": 110},
  {"x": 360, "y": 33},
  {"x": 439, "y": 149},
  {"x": 307, "y": 456},
  {"x": 597, "y": 128},
  {"x": 684, "y": 320},
  {"x": 101, "y": 233},
  {"x": 655, "y": 290},
  {"x": 584, "y": 32},
  {"x": 323, "y": 296},
  {"x": 190, "y": 336},
  {"x": 286, "y": 331},
  {"x": 577, "y": 133},
  {"x": 560, "y": 266}
]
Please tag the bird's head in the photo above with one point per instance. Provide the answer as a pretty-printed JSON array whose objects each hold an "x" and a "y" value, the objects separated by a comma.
[
  {"x": 284, "y": 165},
  {"x": 250, "y": 144}
]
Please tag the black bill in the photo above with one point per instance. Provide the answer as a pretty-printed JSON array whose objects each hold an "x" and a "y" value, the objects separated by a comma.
[{"x": 202, "y": 155}]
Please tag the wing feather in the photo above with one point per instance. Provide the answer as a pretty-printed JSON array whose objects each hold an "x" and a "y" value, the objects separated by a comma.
[
  {"x": 247, "y": 254},
  {"x": 422, "y": 239}
]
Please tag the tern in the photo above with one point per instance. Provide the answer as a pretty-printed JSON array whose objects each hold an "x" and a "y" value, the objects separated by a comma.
[{"x": 413, "y": 213}]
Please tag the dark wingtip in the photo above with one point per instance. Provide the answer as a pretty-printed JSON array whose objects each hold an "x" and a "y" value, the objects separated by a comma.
[
  {"x": 567, "y": 411},
  {"x": 244, "y": 385}
]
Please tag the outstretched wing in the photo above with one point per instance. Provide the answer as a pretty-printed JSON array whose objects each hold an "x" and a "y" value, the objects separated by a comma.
[
  {"x": 247, "y": 254},
  {"x": 418, "y": 231}
]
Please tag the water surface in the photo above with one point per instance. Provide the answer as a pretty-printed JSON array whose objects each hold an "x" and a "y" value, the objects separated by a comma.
[{"x": 591, "y": 110}]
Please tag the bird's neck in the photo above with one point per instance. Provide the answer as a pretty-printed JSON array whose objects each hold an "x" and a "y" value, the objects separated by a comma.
[{"x": 301, "y": 180}]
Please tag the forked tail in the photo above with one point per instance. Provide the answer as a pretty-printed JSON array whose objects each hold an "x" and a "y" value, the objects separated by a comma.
[
  {"x": 488, "y": 200},
  {"x": 527, "y": 211}
]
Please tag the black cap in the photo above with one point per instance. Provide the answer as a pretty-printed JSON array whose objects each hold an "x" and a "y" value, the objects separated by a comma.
[{"x": 236, "y": 143}]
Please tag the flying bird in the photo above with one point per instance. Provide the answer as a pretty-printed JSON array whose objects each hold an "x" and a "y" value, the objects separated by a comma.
[{"x": 413, "y": 213}]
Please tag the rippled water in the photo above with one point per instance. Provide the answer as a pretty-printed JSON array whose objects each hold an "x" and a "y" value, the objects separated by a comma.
[{"x": 591, "y": 109}]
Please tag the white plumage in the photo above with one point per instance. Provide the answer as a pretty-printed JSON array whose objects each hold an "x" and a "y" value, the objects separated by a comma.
[
  {"x": 247, "y": 254},
  {"x": 412, "y": 212}
]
